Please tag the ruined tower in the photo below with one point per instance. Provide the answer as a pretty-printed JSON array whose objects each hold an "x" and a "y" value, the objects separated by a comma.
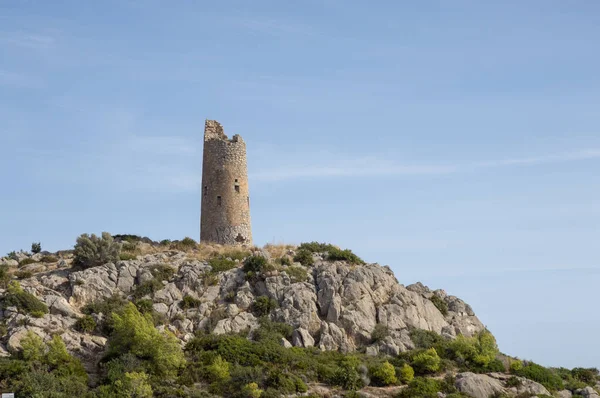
[{"x": 225, "y": 211}]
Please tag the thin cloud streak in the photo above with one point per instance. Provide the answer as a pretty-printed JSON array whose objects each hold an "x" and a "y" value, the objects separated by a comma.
[{"x": 365, "y": 167}]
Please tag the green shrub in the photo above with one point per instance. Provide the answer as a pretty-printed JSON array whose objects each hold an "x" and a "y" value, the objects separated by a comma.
[
  {"x": 263, "y": 305},
  {"x": 426, "y": 361},
  {"x": 147, "y": 288},
  {"x": 285, "y": 260},
  {"x": 4, "y": 276},
  {"x": 12, "y": 256},
  {"x": 25, "y": 302},
  {"x": 218, "y": 370},
  {"x": 105, "y": 307},
  {"x": 542, "y": 375},
  {"x": 49, "y": 259},
  {"x": 255, "y": 264},
  {"x": 85, "y": 324},
  {"x": 186, "y": 244},
  {"x": 379, "y": 333},
  {"x": 27, "y": 261},
  {"x": 513, "y": 381},
  {"x": 37, "y": 313},
  {"x": 347, "y": 376},
  {"x": 440, "y": 304},
  {"x": 586, "y": 375},
  {"x": 36, "y": 247},
  {"x": 165, "y": 242},
  {"x": 304, "y": 257},
  {"x": 189, "y": 302},
  {"x": 336, "y": 254},
  {"x": 92, "y": 251},
  {"x": 406, "y": 373},
  {"x": 221, "y": 264},
  {"x": 23, "y": 274},
  {"x": 315, "y": 247},
  {"x": 236, "y": 254},
  {"x": 421, "y": 387},
  {"x": 297, "y": 274},
  {"x": 135, "y": 333},
  {"x": 251, "y": 390},
  {"x": 162, "y": 272},
  {"x": 475, "y": 353},
  {"x": 272, "y": 331},
  {"x": 383, "y": 374},
  {"x": 127, "y": 256}
]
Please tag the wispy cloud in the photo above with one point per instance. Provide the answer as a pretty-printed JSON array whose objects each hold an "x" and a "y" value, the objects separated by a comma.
[{"x": 372, "y": 166}]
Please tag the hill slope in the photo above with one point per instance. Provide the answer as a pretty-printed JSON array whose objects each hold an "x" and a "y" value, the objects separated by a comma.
[{"x": 327, "y": 299}]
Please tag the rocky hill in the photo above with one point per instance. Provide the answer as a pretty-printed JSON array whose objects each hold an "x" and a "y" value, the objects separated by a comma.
[{"x": 317, "y": 298}]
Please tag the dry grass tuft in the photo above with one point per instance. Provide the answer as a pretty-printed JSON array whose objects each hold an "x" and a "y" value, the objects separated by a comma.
[{"x": 277, "y": 250}]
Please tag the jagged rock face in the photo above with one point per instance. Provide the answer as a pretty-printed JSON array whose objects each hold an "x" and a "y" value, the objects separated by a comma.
[{"x": 336, "y": 308}]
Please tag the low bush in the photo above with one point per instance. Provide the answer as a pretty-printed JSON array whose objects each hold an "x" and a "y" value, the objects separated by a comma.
[
  {"x": 425, "y": 361},
  {"x": 421, "y": 387},
  {"x": 127, "y": 256},
  {"x": 221, "y": 264},
  {"x": 23, "y": 274},
  {"x": 284, "y": 260},
  {"x": 336, "y": 254},
  {"x": 383, "y": 374},
  {"x": 49, "y": 259},
  {"x": 542, "y": 375},
  {"x": 189, "y": 302},
  {"x": 25, "y": 302},
  {"x": 263, "y": 305},
  {"x": 271, "y": 331},
  {"x": 379, "y": 333},
  {"x": 85, "y": 324},
  {"x": 27, "y": 261},
  {"x": 92, "y": 251},
  {"x": 255, "y": 264},
  {"x": 406, "y": 373},
  {"x": 440, "y": 304},
  {"x": 134, "y": 333},
  {"x": 186, "y": 244},
  {"x": 147, "y": 288},
  {"x": 304, "y": 257},
  {"x": 333, "y": 253},
  {"x": 297, "y": 274},
  {"x": 5, "y": 276},
  {"x": 162, "y": 272}
]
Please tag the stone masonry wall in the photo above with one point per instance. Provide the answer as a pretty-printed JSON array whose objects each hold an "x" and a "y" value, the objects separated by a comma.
[{"x": 225, "y": 211}]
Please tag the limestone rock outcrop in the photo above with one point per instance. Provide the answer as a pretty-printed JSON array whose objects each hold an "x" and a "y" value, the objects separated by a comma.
[{"x": 337, "y": 307}]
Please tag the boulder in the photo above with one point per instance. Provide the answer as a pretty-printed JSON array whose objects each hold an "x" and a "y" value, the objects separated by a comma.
[
  {"x": 301, "y": 338},
  {"x": 478, "y": 385}
]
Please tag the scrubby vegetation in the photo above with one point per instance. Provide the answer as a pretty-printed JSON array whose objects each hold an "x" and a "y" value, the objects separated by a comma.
[
  {"x": 25, "y": 302},
  {"x": 43, "y": 370},
  {"x": 36, "y": 247},
  {"x": 91, "y": 250},
  {"x": 334, "y": 253},
  {"x": 440, "y": 304}
]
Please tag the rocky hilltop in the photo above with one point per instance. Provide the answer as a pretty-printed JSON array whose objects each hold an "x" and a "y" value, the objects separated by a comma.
[
  {"x": 328, "y": 299},
  {"x": 333, "y": 306}
]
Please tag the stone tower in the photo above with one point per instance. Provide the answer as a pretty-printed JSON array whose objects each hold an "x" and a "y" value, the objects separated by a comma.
[{"x": 225, "y": 211}]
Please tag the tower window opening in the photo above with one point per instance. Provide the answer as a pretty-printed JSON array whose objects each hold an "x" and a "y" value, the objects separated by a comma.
[
  {"x": 248, "y": 197},
  {"x": 236, "y": 180},
  {"x": 218, "y": 201},
  {"x": 205, "y": 190},
  {"x": 237, "y": 188}
]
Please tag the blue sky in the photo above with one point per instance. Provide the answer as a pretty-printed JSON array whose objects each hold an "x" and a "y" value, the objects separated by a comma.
[{"x": 457, "y": 142}]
